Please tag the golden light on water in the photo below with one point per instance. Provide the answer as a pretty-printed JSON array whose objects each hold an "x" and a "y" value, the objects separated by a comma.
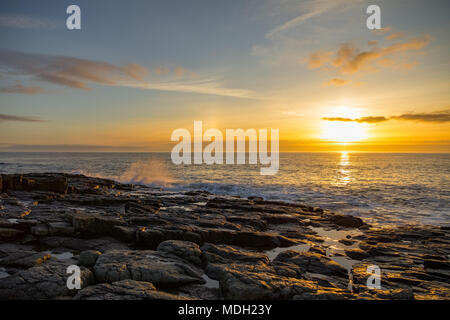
[{"x": 344, "y": 172}]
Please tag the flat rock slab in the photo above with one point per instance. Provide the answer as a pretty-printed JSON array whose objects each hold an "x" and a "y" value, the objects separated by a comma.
[
  {"x": 125, "y": 290},
  {"x": 44, "y": 281},
  {"x": 145, "y": 265}
]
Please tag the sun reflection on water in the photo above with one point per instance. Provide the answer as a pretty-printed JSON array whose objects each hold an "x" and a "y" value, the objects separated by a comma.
[{"x": 344, "y": 173}]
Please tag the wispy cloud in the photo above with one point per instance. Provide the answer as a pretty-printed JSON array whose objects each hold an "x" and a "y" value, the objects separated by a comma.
[
  {"x": 19, "y": 88},
  {"x": 80, "y": 73},
  {"x": 309, "y": 9},
  {"x": 25, "y": 22},
  {"x": 8, "y": 117},
  {"x": 336, "y": 82},
  {"x": 436, "y": 117},
  {"x": 348, "y": 59},
  {"x": 360, "y": 120}
]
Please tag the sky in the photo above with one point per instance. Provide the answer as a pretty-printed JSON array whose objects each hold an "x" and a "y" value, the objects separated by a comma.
[{"x": 138, "y": 70}]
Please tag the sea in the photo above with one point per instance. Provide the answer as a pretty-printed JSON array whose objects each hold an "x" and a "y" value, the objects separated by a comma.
[{"x": 381, "y": 188}]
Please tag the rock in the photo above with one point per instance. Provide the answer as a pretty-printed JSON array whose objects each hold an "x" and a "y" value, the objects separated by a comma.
[
  {"x": 207, "y": 247},
  {"x": 92, "y": 224},
  {"x": 9, "y": 233},
  {"x": 228, "y": 254},
  {"x": 183, "y": 249},
  {"x": 88, "y": 258},
  {"x": 396, "y": 294},
  {"x": 247, "y": 282},
  {"x": 436, "y": 264},
  {"x": 356, "y": 254},
  {"x": 24, "y": 259},
  {"x": 347, "y": 221},
  {"x": 347, "y": 242},
  {"x": 311, "y": 262},
  {"x": 60, "y": 229},
  {"x": 35, "y": 182},
  {"x": 325, "y": 294},
  {"x": 125, "y": 290},
  {"x": 127, "y": 234},
  {"x": 262, "y": 240},
  {"x": 145, "y": 265},
  {"x": 40, "y": 230},
  {"x": 43, "y": 281},
  {"x": 199, "y": 291}
]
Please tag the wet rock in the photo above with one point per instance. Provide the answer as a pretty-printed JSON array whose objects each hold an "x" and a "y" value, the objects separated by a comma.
[
  {"x": 347, "y": 221},
  {"x": 125, "y": 290}
]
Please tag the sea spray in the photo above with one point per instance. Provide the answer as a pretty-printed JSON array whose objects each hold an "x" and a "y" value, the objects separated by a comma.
[
  {"x": 149, "y": 172},
  {"x": 153, "y": 171}
]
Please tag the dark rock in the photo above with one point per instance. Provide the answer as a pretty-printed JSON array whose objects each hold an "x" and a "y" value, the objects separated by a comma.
[
  {"x": 44, "y": 281},
  {"x": 311, "y": 262},
  {"x": 9, "y": 233},
  {"x": 347, "y": 221},
  {"x": 88, "y": 258},
  {"x": 183, "y": 249},
  {"x": 145, "y": 265},
  {"x": 92, "y": 224},
  {"x": 125, "y": 290},
  {"x": 356, "y": 254}
]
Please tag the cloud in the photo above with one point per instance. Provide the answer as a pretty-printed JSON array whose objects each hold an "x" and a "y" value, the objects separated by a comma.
[
  {"x": 310, "y": 9},
  {"x": 19, "y": 88},
  {"x": 360, "y": 120},
  {"x": 336, "y": 82},
  {"x": 7, "y": 117},
  {"x": 437, "y": 117},
  {"x": 80, "y": 73},
  {"x": 318, "y": 59},
  {"x": 25, "y": 22},
  {"x": 394, "y": 36},
  {"x": 348, "y": 59}
]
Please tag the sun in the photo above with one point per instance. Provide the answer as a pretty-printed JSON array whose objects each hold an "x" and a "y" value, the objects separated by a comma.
[{"x": 344, "y": 131}]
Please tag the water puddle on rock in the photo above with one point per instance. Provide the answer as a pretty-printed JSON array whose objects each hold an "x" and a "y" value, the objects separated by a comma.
[
  {"x": 332, "y": 238},
  {"x": 334, "y": 247},
  {"x": 210, "y": 283},
  {"x": 61, "y": 256},
  {"x": 273, "y": 253}
]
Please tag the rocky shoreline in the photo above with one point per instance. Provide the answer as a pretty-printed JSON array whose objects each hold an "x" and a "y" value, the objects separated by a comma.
[{"x": 136, "y": 242}]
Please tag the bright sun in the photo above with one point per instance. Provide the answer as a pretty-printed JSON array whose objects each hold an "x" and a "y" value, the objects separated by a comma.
[{"x": 344, "y": 132}]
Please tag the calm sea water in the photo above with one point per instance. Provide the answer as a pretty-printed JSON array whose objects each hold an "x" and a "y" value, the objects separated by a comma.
[{"x": 382, "y": 188}]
